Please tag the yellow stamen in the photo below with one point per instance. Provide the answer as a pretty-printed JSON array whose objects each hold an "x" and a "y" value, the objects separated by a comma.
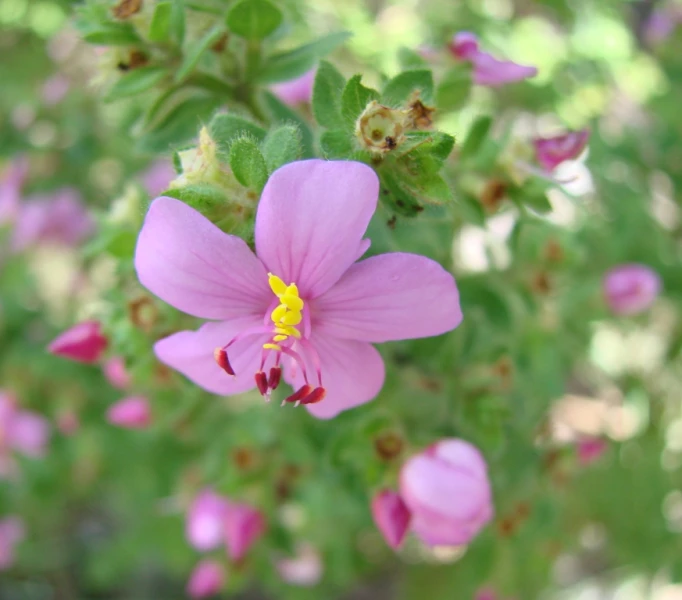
[
  {"x": 277, "y": 285},
  {"x": 288, "y": 330},
  {"x": 280, "y": 338},
  {"x": 292, "y": 302},
  {"x": 293, "y": 317},
  {"x": 269, "y": 346},
  {"x": 278, "y": 313},
  {"x": 292, "y": 290}
]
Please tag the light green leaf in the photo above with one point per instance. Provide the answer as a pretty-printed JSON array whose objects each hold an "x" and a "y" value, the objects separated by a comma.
[
  {"x": 160, "y": 26},
  {"x": 477, "y": 135},
  {"x": 135, "y": 82},
  {"x": 196, "y": 50},
  {"x": 327, "y": 91},
  {"x": 254, "y": 19},
  {"x": 248, "y": 164},
  {"x": 336, "y": 144},
  {"x": 177, "y": 21},
  {"x": 225, "y": 128},
  {"x": 409, "y": 59},
  {"x": 281, "y": 113},
  {"x": 281, "y": 146},
  {"x": 114, "y": 34},
  {"x": 399, "y": 89},
  {"x": 354, "y": 99},
  {"x": 453, "y": 90}
]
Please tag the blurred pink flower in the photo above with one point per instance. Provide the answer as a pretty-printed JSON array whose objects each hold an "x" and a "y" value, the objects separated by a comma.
[
  {"x": 391, "y": 517},
  {"x": 244, "y": 526},
  {"x": 446, "y": 488},
  {"x": 662, "y": 23},
  {"x": 132, "y": 413},
  {"x": 116, "y": 373},
  {"x": 12, "y": 181},
  {"x": 21, "y": 431},
  {"x": 84, "y": 342},
  {"x": 590, "y": 449},
  {"x": 68, "y": 422},
  {"x": 54, "y": 89},
  {"x": 296, "y": 91},
  {"x": 204, "y": 527},
  {"x": 59, "y": 218},
  {"x": 488, "y": 70},
  {"x": 551, "y": 152},
  {"x": 305, "y": 569},
  {"x": 631, "y": 289},
  {"x": 486, "y": 594},
  {"x": 318, "y": 321},
  {"x": 11, "y": 533},
  {"x": 206, "y": 579},
  {"x": 158, "y": 176}
]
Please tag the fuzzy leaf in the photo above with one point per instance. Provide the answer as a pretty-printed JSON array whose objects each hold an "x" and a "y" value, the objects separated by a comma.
[
  {"x": 248, "y": 164},
  {"x": 409, "y": 59},
  {"x": 281, "y": 113},
  {"x": 327, "y": 91},
  {"x": 196, "y": 50},
  {"x": 402, "y": 86},
  {"x": 336, "y": 144},
  {"x": 354, "y": 99},
  {"x": 225, "y": 128},
  {"x": 281, "y": 146},
  {"x": 254, "y": 19}
]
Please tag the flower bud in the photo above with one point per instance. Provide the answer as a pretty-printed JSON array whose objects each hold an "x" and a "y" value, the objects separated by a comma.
[
  {"x": 116, "y": 373},
  {"x": 589, "y": 450},
  {"x": 131, "y": 413},
  {"x": 296, "y": 91},
  {"x": 304, "y": 569},
  {"x": 83, "y": 343},
  {"x": 391, "y": 517},
  {"x": 205, "y": 520},
  {"x": 380, "y": 129},
  {"x": 206, "y": 580},
  {"x": 631, "y": 289},
  {"x": 446, "y": 488},
  {"x": 551, "y": 152},
  {"x": 244, "y": 525}
]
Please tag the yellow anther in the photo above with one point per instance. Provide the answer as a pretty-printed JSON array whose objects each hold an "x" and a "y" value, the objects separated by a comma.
[
  {"x": 280, "y": 338},
  {"x": 291, "y": 290},
  {"x": 288, "y": 330},
  {"x": 277, "y": 285},
  {"x": 292, "y": 317},
  {"x": 277, "y": 314},
  {"x": 269, "y": 346},
  {"x": 293, "y": 302}
]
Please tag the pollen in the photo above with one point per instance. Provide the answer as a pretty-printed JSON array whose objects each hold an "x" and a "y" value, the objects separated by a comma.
[{"x": 287, "y": 314}]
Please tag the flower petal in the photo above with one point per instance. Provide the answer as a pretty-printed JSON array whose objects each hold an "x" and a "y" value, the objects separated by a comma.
[
  {"x": 188, "y": 262},
  {"x": 393, "y": 296},
  {"x": 191, "y": 353},
  {"x": 352, "y": 374},
  {"x": 29, "y": 434},
  {"x": 311, "y": 219}
]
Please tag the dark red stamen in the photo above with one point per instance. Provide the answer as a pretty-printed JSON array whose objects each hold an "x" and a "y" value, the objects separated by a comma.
[
  {"x": 300, "y": 394},
  {"x": 222, "y": 361},
  {"x": 275, "y": 377},
  {"x": 317, "y": 395},
  {"x": 261, "y": 382}
]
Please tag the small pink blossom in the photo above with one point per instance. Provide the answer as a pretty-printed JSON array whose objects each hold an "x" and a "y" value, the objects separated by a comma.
[
  {"x": 132, "y": 413},
  {"x": 83, "y": 343},
  {"x": 244, "y": 526},
  {"x": 206, "y": 580},
  {"x": 116, "y": 373},
  {"x": 59, "y": 218},
  {"x": 11, "y": 183},
  {"x": 446, "y": 488},
  {"x": 21, "y": 431},
  {"x": 204, "y": 527},
  {"x": 488, "y": 70},
  {"x": 631, "y": 289},
  {"x": 158, "y": 176},
  {"x": 391, "y": 516},
  {"x": 551, "y": 152},
  {"x": 590, "y": 449},
  {"x": 305, "y": 569},
  {"x": 305, "y": 274},
  {"x": 55, "y": 89},
  {"x": 486, "y": 594},
  {"x": 661, "y": 24},
  {"x": 296, "y": 91},
  {"x": 11, "y": 533}
]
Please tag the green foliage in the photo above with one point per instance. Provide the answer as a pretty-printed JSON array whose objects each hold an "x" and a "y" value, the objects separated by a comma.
[
  {"x": 399, "y": 89},
  {"x": 281, "y": 146},
  {"x": 226, "y": 128},
  {"x": 248, "y": 164},
  {"x": 327, "y": 90},
  {"x": 254, "y": 19}
]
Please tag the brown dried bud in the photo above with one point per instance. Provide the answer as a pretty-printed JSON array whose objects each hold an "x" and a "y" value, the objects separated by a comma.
[
  {"x": 419, "y": 116},
  {"x": 493, "y": 194},
  {"x": 554, "y": 252},
  {"x": 244, "y": 458},
  {"x": 143, "y": 313},
  {"x": 389, "y": 445},
  {"x": 126, "y": 8},
  {"x": 541, "y": 284},
  {"x": 221, "y": 44}
]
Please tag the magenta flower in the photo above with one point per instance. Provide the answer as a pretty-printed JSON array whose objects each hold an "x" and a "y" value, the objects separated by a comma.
[
  {"x": 244, "y": 526},
  {"x": 551, "y": 152},
  {"x": 305, "y": 569},
  {"x": 204, "y": 527},
  {"x": 158, "y": 176},
  {"x": 60, "y": 218},
  {"x": 446, "y": 488},
  {"x": 21, "y": 431},
  {"x": 302, "y": 302},
  {"x": 488, "y": 70},
  {"x": 206, "y": 580},
  {"x": 296, "y": 91},
  {"x": 630, "y": 289},
  {"x": 11, "y": 533},
  {"x": 132, "y": 413},
  {"x": 391, "y": 516},
  {"x": 83, "y": 343},
  {"x": 590, "y": 449},
  {"x": 10, "y": 189},
  {"x": 116, "y": 373}
]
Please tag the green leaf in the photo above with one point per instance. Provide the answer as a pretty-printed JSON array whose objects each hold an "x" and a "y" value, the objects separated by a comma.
[
  {"x": 453, "y": 90},
  {"x": 225, "y": 128},
  {"x": 402, "y": 86},
  {"x": 196, "y": 50},
  {"x": 354, "y": 99},
  {"x": 135, "y": 82},
  {"x": 160, "y": 26},
  {"x": 281, "y": 113},
  {"x": 433, "y": 189},
  {"x": 177, "y": 21},
  {"x": 396, "y": 197},
  {"x": 533, "y": 195},
  {"x": 281, "y": 146},
  {"x": 203, "y": 197},
  {"x": 336, "y": 144},
  {"x": 248, "y": 164},
  {"x": 409, "y": 59},
  {"x": 254, "y": 19},
  {"x": 477, "y": 135},
  {"x": 114, "y": 34},
  {"x": 287, "y": 65},
  {"x": 327, "y": 91},
  {"x": 471, "y": 208}
]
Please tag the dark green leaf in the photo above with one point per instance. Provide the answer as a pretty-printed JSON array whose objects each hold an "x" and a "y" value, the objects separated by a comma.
[
  {"x": 354, "y": 99},
  {"x": 177, "y": 21},
  {"x": 395, "y": 197},
  {"x": 248, "y": 164},
  {"x": 196, "y": 50},
  {"x": 399, "y": 89},
  {"x": 160, "y": 27},
  {"x": 336, "y": 144},
  {"x": 477, "y": 135},
  {"x": 135, "y": 82},
  {"x": 225, "y": 128},
  {"x": 453, "y": 90},
  {"x": 327, "y": 91},
  {"x": 254, "y": 19},
  {"x": 281, "y": 146}
]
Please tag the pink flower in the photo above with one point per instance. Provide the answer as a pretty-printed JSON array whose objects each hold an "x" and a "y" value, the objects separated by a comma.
[
  {"x": 296, "y": 91},
  {"x": 244, "y": 525},
  {"x": 68, "y": 422},
  {"x": 60, "y": 218},
  {"x": 551, "y": 152},
  {"x": 116, "y": 373},
  {"x": 304, "y": 569},
  {"x": 10, "y": 189},
  {"x": 661, "y": 24},
  {"x": 206, "y": 580},
  {"x": 488, "y": 70},
  {"x": 21, "y": 431},
  {"x": 11, "y": 533},
  {"x": 486, "y": 594},
  {"x": 631, "y": 289},
  {"x": 83, "y": 343},
  {"x": 446, "y": 488},
  {"x": 132, "y": 413},
  {"x": 54, "y": 89},
  {"x": 590, "y": 449},
  {"x": 158, "y": 176},
  {"x": 204, "y": 527},
  {"x": 303, "y": 302},
  {"x": 391, "y": 517}
]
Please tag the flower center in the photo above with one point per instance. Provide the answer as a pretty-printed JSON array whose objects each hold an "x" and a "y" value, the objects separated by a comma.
[{"x": 285, "y": 339}]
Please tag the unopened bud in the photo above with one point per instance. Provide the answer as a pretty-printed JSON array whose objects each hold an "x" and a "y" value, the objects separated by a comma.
[
  {"x": 275, "y": 377},
  {"x": 261, "y": 382},
  {"x": 220, "y": 356},
  {"x": 380, "y": 129},
  {"x": 300, "y": 394},
  {"x": 317, "y": 395}
]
